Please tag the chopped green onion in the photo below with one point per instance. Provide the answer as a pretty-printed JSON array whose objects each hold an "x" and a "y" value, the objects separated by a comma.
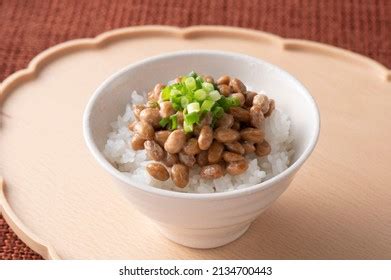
[
  {"x": 218, "y": 112},
  {"x": 208, "y": 87},
  {"x": 193, "y": 107},
  {"x": 190, "y": 97},
  {"x": 193, "y": 74},
  {"x": 234, "y": 101},
  {"x": 166, "y": 93},
  {"x": 175, "y": 100},
  {"x": 174, "y": 92},
  {"x": 184, "y": 101},
  {"x": 174, "y": 121},
  {"x": 194, "y": 98},
  {"x": 214, "y": 95},
  {"x": 222, "y": 102},
  {"x": 200, "y": 79},
  {"x": 176, "y": 106},
  {"x": 228, "y": 102},
  {"x": 200, "y": 95},
  {"x": 207, "y": 105},
  {"x": 190, "y": 83},
  {"x": 164, "y": 122},
  {"x": 187, "y": 127},
  {"x": 192, "y": 118},
  {"x": 199, "y": 82}
]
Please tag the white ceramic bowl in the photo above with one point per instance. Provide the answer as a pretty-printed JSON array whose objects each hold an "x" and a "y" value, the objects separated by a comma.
[{"x": 202, "y": 220}]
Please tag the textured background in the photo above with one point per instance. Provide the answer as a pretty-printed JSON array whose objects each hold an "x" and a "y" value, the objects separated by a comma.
[{"x": 29, "y": 27}]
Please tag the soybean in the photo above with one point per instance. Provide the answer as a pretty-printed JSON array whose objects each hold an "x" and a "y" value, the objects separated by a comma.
[
  {"x": 226, "y": 135},
  {"x": 212, "y": 171},
  {"x": 144, "y": 130},
  {"x": 180, "y": 175},
  {"x": 175, "y": 141},
  {"x": 153, "y": 150},
  {"x": 158, "y": 171},
  {"x": 215, "y": 152},
  {"x": 237, "y": 167},
  {"x": 254, "y": 135},
  {"x": 205, "y": 138}
]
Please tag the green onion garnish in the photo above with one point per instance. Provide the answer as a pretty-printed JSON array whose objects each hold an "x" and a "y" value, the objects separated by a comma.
[
  {"x": 184, "y": 101},
  {"x": 207, "y": 105},
  {"x": 193, "y": 74},
  {"x": 222, "y": 102},
  {"x": 175, "y": 92},
  {"x": 174, "y": 121},
  {"x": 192, "y": 118},
  {"x": 208, "y": 87},
  {"x": 190, "y": 83},
  {"x": 166, "y": 92},
  {"x": 164, "y": 122},
  {"x": 187, "y": 127},
  {"x": 214, "y": 95},
  {"x": 218, "y": 112},
  {"x": 228, "y": 102},
  {"x": 193, "y": 107},
  {"x": 234, "y": 101},
  {"x": 199, "y": 81},
  {"x": 194, "y": 97},
  {"x": 200, "y": 95},
  {"x": 176, "y": 106}
]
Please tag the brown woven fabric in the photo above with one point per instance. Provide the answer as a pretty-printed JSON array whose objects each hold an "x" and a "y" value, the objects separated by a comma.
[{"x": 29, "y": 27}]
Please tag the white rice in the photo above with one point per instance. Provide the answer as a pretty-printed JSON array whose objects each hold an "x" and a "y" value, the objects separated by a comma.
[{"x": 132, "y": 163}]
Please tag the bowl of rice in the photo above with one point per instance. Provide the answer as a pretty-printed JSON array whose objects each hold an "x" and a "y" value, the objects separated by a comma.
[{"x": 201, "y": 142}]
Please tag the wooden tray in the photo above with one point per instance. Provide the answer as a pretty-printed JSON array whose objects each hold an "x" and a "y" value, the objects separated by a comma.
[{"x": 60, "y": 202}]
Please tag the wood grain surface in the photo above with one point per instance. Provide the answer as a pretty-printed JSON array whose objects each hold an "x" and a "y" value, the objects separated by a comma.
[{"x": 59, "y": 201}]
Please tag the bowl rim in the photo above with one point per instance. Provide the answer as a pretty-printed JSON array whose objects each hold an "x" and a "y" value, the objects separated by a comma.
[{"x": 100, "y": 158}]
